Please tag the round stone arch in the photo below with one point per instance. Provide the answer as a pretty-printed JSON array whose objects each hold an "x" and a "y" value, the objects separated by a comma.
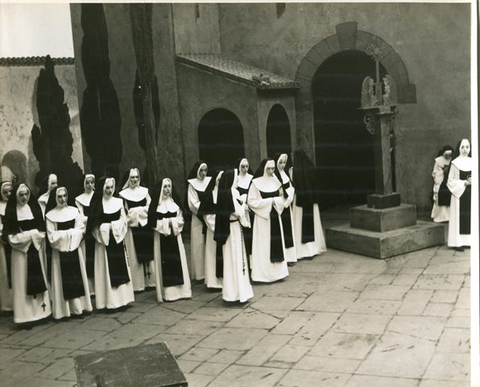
[{"x": 347, "y": 37}]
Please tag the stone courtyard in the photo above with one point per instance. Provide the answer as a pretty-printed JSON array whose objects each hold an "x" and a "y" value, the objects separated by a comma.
[{"x": 339, "y": 320}]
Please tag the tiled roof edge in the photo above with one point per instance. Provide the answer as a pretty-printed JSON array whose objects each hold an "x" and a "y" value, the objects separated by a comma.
[{"x": 33, "y": 61}]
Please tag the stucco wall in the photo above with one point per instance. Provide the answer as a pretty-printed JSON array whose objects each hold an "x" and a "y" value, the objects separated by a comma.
[
  {"x": 18, "y": 113},
  {"x": 432, "y": 40},
  {"x": 201, "y": 92}
]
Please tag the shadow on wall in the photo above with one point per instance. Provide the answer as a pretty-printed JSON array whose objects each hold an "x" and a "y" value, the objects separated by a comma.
[{"x": 14, "y": 167}]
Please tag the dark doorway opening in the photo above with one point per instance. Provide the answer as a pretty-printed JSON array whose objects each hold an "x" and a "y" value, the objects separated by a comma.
[
  {"x": 343, "y": 146},
  {"x": 220, "y": 139},
  {"x": 278, "y": 132}
]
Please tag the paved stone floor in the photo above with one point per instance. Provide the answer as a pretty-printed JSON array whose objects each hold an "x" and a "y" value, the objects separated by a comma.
[{"x": 339, "y": 320}]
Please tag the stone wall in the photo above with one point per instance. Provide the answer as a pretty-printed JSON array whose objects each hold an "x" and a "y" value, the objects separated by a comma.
[
  {"x": 18, "y": 114},
  {"x": 433, "y": 41}
]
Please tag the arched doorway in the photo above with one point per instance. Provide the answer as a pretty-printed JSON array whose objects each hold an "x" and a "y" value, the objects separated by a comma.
[
  {"x": 278, "y": 132},
  {"x": 343, "y": 146},
  {"x": 220, "y": 139},
  {"x": 14, "y": 167}
]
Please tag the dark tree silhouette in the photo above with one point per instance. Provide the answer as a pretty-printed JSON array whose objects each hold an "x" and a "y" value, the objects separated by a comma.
[
  {"x": 100, "y": 113},
  {"x": 53, "y": 141}
]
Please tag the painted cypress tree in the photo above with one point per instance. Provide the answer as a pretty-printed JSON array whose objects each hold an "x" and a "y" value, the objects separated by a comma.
[
  {"x": 100, "y": 113},
  {"x": 145, "y": 101},
  {"x": 53, "y": 141}
]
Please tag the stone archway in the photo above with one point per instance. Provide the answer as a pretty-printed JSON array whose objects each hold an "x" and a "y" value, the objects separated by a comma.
[
  {"x": 347, "y": 37},
  {"x": 220, "y": 139},
  {"x": 14, "y": 167},
  {"x": 278, "y": 131}
]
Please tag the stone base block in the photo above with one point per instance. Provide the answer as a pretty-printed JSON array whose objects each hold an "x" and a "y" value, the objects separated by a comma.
[
  {"x": 385, "y": 244},
  {"x": 383, "y": 201},
  {"x": 145, "y": 365},
  {"x": 381, "y": 220}
]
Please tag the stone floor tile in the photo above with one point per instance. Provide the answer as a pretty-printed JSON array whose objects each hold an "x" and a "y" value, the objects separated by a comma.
[
  {"x": 329, "y": 302},
  {"x": 194, "y": 327},
  {"x": 448, "y": 265},
  {"x": 439, "y": 281},
  {"x": 343, "y": 282},
  {"x": 204, "y": 295},
  {"x": 443, "y": 383},
  {"x": 411, "y": 270},
  {"x": 405, "y": 279},
  {"x": 437, "y": 309},
  {"x": 75, "y": 339},
  {"x": 456, "y": 340},
  {"x": 385, "y": 292},
  {"x": 187, "y": 366},
  {"x": 445, "y": 296},
  {"x": 70, "y": 376},
  {"x": 374, "y": 307},
  {"x": 362, "y": 323},
  {"x": 460, "y": 313},
  {"x": 300, "y": 378},
  {"x": 290, "y": 353},
  {"x": 463, "y": 301},
  {"x": 227, "y": 356},
  {"x": 199, "y": 354},
  {"x": 278, "y": 303},
  {"x": 398, "y": 355},
  {"x": 380, "y": 381},
  {"x": 214, "y": 314},
  {"x": 239, "y": 339},
  {"x": 450, "y": 367},
  {"x": 6, "y": 354},
  {"x": 160, "y": 316},
  {"x": 140, "y": 307},
  {"x": 124, "y": 317},
  {"x": 292, "y": 323},
  {"x": 415, "y": 302},
  {"x": 39, "y": 382},
  {"x": 344, "y": 345},
  {"x": 264, "y": 350},
  {"x": 17, "y": 371},
  {"x": 466, "y": 283},
  {"x": 421, "y": 327},
  {"x": 383, "y": 279},
  {"x": 211, "y": 368},
  {"x": 178, "y": 344},
  {"x": 315, "y": 328},
  {"x": 57, "y": 369},
  {"x": 126, "y": 336},
  {"x": 198, "y": 380},
  {"x": 183, "y": 306},
  {"x": 327, "y": 364},
  {"x": 458, "y": 322},
  {"x": 98, "y": 323},
  {"x": 252, "y": 318},
  {"x": 44, "y": 355},
  {"x": 241, "y": 376}
]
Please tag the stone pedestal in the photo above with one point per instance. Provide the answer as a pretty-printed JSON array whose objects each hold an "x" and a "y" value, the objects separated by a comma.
[
  {"x": 384, "y": 232},
  {"x": 146, "y": 365}
]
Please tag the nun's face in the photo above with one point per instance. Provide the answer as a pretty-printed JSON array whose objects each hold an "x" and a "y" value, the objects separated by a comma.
[
  {"x": 6, "y": 191},
  {"x": 134, "y": 178},
  {"x": 23, "y": 194},
  {"x": 52, "y": 182},
  {"x": 282, "y": 162},
  {"x": 244, "y": 167},
  {"x": 447, "y": 154},
  {"x": 167, "y": 189},
  {"x": 270, "y": 168},
  {"x": 108, "y": 188},
  {"x": 202, "y": 172},
  {"x": 89, "y": 184},
  {"x": 62, "y": 198},
  {"x": 464, "y": 148}
]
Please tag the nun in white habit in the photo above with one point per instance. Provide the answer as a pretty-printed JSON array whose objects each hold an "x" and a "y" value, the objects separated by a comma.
[
  {"x": 266, "y": 199},
  {"x": 139, "y": 238},
  {"x": 171, "y": 269},
  {"x": 287, "y": 216},
  {"x": 244, "y": 179},
  {"x": 229, "y": 222},
  {"x": 51, "y": 183},
  {"x": 460, "y": 185},
  {"x": 83, "y": 203},
  {"x": 197, "y": 181},
  {"x": 6, "y": 301},
  {"x": 69, "y": 290},
  {"x": 108, "y": 224},
  {"x": 24, "y": 229}
]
